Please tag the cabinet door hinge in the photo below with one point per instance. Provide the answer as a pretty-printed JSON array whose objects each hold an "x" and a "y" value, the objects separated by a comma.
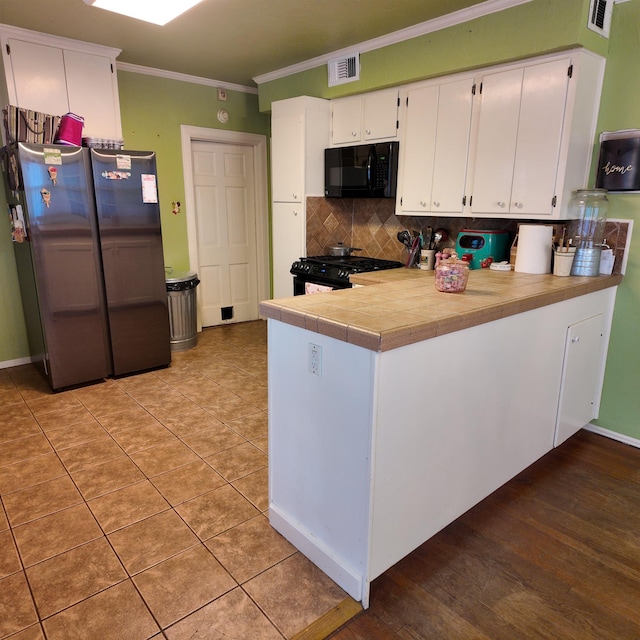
[
  {"x": 480, "y": 88},
  {"x": 554, "y": 200},
  {"x": 400, "y": 200},
  {"x": 8, "y": 49},
  {"x": 398, "y": 100},
  {"x": 397, "y": 124},
  {"x": 570, "y": 71},
  {"x": 407, "y": 101},
  {"x": 112, "y": 67},
  {"x": 464, "y": 200},
  {"x": 470, "y": 200},
  {"x": 473, "y": 89}
]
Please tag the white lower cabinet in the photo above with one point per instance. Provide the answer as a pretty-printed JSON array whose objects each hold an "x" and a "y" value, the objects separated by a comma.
[
  {"x": 582, "y": 376},
  {"x": 288, "y": 244}
]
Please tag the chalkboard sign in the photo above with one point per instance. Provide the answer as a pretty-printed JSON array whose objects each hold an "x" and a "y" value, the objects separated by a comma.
[{"x": 619, "y": 163}]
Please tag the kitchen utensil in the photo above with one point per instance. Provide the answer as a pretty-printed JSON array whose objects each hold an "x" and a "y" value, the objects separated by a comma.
[
  {"x": 428, "y": 237},
  {"x": 341, "y": 250},
  {"x": 405, "y": 237},
  {"x": 414, "y": 251}
]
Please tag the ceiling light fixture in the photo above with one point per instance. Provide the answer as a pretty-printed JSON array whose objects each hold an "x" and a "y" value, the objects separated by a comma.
[{"x": 148, "y": 10}]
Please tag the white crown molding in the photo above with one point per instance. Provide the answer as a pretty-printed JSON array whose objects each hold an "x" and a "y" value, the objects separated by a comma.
[
  {"x": 449, "y": 20},
  {"x": 183, "y": 77},
  {"x": 8, "y": 31}
]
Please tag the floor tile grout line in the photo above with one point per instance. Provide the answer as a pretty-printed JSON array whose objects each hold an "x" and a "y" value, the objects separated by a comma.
[{"x": 245, "y": 440}]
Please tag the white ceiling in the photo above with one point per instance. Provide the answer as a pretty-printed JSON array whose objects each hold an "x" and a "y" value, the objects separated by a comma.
[{"x": 231, "y": 41}]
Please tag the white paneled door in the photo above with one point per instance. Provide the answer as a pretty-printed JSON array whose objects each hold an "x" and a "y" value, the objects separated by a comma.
[{"x": 225, "y": 208}]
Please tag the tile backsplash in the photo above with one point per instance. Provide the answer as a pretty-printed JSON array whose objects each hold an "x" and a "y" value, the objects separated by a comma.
[{"x": 372, "y": 226}]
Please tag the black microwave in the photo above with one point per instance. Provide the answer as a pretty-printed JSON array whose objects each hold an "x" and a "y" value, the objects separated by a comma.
[{"x": 363, "y": 171}]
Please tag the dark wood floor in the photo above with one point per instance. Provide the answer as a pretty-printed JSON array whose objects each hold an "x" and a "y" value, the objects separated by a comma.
[{"x": 553, "y": 554}]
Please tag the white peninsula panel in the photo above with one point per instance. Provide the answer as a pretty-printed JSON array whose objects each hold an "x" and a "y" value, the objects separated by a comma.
[{"x": 382, "y": 450}]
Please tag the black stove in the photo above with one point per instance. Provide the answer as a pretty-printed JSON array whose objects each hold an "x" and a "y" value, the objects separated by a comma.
[{"x": 332, "y": 272}]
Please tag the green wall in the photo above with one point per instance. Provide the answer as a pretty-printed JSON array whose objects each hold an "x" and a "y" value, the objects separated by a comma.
[
  {"x": 537, "y": 27},
  {"x": 152, "y": 111},
  {"x": 620, "y": 109},
  {"x": 13, "y": 334}
]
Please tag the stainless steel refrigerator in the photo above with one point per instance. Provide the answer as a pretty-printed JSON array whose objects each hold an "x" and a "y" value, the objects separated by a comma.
[{"x": 88, "y": 245}]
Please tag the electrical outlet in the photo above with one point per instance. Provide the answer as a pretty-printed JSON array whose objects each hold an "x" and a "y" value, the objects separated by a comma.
[{"x": 315, "y": 359}]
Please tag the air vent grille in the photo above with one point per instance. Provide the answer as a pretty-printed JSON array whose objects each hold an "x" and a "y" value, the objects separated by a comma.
[
  {"x": 600, "y": 16},
  {"x": 345, "y": 69}
]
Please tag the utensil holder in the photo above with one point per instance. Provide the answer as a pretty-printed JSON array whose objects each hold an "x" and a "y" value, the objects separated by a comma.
[{"x": 562, "y": 262}]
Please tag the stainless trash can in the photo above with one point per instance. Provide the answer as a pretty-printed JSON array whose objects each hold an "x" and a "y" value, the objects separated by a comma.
[{"x": 181, "y": 292}]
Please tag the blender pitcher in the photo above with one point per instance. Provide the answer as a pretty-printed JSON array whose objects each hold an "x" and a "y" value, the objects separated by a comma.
[{"x": 590, "y": 207}]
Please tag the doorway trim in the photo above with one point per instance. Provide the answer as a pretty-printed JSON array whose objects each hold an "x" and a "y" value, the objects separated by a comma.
[{"x": 258, "y": 142}]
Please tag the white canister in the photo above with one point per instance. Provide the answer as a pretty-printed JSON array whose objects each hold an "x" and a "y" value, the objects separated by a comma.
[
  {"x": 428, "y": 259},
  {"x": 534, "y": 248}
]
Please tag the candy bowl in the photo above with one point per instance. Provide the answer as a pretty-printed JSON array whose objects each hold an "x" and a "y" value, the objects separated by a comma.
[{"x": 452, "y": 275}]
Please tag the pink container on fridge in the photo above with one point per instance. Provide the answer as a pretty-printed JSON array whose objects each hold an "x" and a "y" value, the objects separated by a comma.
[{"x": 70, "y": 130}]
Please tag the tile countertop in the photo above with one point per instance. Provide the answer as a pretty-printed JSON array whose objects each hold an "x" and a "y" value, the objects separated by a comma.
[{"x": 401, "y": 306}]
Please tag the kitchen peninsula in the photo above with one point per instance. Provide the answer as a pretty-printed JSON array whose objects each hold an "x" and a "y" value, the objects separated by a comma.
[{"x": 394, "y": 408}]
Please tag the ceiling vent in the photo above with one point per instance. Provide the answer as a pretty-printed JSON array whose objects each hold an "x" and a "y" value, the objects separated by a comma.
[
  {"x": 600, "y": 16},
  {"x": 345, "y": 69}
]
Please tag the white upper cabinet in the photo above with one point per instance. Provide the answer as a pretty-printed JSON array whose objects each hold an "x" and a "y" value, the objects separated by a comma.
[
  {"x": 35, "y": 76},
  {"x": 365, "y": 118},
  {"x": 519, "y": 133},
  {"x": 287, "y": 156},
  {"x": 55, "y": 76},
  {"x": 534, "y": 136},
  {"x": 299, "y": 136},
  {"x": 99, "y": 106},
  {"x": 434, "y": 148}
]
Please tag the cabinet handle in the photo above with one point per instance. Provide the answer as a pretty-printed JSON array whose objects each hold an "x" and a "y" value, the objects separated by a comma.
[
  {"x": 423, "y": 203},
  {"x": 500, "y": 204},
  {"x": 518, "y": 205},
  {"x": 354, "y": 134},
  {"x": 436, "y": 203},
  {"x": 295, "y": 196},
  {"x": 575, "y": 339},
  {"x": 368, "y": 132}
]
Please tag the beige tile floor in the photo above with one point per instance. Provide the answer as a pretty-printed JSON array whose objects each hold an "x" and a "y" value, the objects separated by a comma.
[{"x": 137, "y": 508}]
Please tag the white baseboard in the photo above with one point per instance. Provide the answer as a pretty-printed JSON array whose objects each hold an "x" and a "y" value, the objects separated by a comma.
[
  {"x": 323, "y": 557},
  {"x": 14, "y": 363},
  {"x": 614, "y": 435}
]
